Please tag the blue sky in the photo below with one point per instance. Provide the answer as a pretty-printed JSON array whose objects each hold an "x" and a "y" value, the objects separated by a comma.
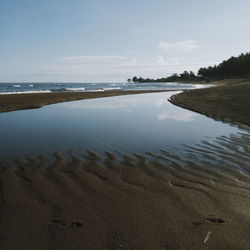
[{"x": 112, "y": 40}]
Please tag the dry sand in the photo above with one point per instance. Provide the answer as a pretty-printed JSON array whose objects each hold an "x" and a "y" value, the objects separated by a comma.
[{"x": 132, "y": 202}]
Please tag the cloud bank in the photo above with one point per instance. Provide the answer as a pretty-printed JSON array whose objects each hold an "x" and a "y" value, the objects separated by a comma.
[{"x": 181, "y": 46}]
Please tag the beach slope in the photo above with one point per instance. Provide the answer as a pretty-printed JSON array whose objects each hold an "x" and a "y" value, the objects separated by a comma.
[{"x": 229, "y": 103}]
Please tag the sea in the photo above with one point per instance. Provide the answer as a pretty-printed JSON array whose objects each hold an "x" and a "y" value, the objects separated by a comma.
[{"x": 47, "y": 87}]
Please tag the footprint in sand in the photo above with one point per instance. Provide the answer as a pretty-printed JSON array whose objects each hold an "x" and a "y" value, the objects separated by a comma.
[
  {"x": 215, "y": 220},
  {"x": 211, "y": 219},
  {"x": 69, "y": 224}
]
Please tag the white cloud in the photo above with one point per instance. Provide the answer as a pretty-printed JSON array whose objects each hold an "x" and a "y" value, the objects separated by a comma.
[
  {"x": 169, "y": 62},
  {"x": 181, "y": 46}
]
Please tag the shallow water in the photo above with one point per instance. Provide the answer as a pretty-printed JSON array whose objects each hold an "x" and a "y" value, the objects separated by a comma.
[{"x": 128, "y": 124}]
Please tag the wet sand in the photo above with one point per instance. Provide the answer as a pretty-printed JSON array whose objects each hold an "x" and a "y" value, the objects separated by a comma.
[
  {"x": 131, "y": 202},
  {"x": 229, "y": 103},
  {"x": 12, "y": 102}
]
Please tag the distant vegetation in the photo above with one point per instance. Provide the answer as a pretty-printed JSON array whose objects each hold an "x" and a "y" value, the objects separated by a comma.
[
  {"x": 234, "y": 67},
  {"x": 231, "y": 68},
  {"x": 185, "y": 76}
]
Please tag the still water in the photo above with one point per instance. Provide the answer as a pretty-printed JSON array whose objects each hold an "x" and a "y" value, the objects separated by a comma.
[{"x": 128, "y": 124}]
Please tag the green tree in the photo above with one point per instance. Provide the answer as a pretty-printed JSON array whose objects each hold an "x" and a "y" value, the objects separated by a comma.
[{"x": 135, "y": 79}]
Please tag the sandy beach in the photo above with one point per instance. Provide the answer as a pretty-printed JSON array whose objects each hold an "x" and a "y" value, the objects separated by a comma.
[
  {"x": 229, "y": 103},
  {"x": 134, "y": 202},
  {"x": 129, "y": 202},
  {"x": 12, "y": 102}
]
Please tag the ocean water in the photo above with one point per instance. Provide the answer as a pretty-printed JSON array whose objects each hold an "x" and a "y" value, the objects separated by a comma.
[
  {"x": 19, "y": 88},
  {"x": 123, "y": 124}
]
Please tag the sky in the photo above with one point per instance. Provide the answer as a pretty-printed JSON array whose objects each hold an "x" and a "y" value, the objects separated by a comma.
[{"x": 112, "y": 40}]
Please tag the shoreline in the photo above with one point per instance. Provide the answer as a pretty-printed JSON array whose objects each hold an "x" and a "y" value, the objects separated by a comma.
[
  {"x": 14, "y": 102},
  {"x": 214, "y": 102},
  {"x": 226, "y": 103}
]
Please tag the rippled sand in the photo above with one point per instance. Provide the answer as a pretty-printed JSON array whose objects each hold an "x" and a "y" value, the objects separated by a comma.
[{"x": 199, "y": 199}]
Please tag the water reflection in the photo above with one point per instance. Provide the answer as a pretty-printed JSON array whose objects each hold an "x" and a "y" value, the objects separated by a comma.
[
  {"x": 179, "y": 115},
  {"x": 128, "y": 124},
  {"x": 158, "y": 101}
]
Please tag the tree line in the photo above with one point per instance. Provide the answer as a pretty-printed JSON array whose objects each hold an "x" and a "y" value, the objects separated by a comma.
[
  {"x": 231, "y": 68},
  {"x": 234, "y": 67},
  {"x": 185, "y": 76}
]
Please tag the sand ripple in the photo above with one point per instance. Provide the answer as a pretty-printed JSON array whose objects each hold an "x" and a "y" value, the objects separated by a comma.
[{"x": 152, "y": 201}]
